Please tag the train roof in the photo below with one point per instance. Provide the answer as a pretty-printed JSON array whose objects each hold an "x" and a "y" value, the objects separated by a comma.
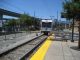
[{"x": 47, "y": 21}]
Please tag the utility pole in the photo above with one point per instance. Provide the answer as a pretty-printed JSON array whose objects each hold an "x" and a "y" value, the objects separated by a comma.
[
  {"x": 79, "y": 34},
  {"x": 34, "y": 20},
  {"x": 1, "y": 20},
  {"x": 52, "y": 19},
  {"x": 72, "y": 30},
  {"x": 57, "y": 24},
  {"x": 2, "y": 23},
  {"x": 60, "y": 24},
  {"x": 57, "y": 15}
]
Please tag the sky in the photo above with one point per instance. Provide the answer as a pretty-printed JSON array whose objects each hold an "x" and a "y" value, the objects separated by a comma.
[{"x": 42, "y": 8}]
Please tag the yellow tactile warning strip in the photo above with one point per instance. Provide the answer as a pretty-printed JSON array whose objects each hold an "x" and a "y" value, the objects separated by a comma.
[{"x": 40, "y": 54}]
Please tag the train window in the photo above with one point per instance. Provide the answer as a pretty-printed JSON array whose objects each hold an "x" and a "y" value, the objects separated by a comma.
[
  {"x": 43, "y": 24},
  {"x": 46, "y": 24},
  {"x": 49, "y": 24}
]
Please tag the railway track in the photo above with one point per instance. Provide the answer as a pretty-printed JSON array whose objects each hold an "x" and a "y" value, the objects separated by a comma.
[{"x": 24, "y": 50}]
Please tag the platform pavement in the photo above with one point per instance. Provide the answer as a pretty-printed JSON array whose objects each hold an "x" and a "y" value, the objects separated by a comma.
[{"x": 61, "y": 50}]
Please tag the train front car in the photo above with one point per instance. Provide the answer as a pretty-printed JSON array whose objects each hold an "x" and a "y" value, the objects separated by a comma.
[{"x": 46, "y": 26}]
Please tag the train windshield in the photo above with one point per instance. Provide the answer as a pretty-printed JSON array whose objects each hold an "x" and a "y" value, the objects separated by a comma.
[{"x": 48, "y": 24}]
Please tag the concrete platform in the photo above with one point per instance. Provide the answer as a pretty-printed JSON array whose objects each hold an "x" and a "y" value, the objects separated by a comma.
[{"x": 60, "y": 50}]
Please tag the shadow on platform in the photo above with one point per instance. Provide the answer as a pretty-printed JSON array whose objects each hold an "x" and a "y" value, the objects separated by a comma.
[{"x": 75, "y": 48}]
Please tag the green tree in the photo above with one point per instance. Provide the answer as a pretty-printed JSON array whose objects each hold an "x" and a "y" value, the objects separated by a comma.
[
  {"x": 22, "y": 20},
  {"x": 67, "y": 13},
  {"x": 72, "y": 10},
  {"x": 12, "y": 24}
]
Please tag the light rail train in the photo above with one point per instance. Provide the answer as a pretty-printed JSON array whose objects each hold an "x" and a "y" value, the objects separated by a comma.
[{"x": 46, "y": 26}]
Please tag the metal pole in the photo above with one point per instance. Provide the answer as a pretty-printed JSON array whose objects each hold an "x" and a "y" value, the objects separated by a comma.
[
  {"x": 1, "y": 16},
  {"x": 65, "y": 25},
  {"x": 5, "y": 32},
  {"x": 3, "y": 28},
  {"x": 34, "y": 20},
  {"x": 79, "y": 36},
  {"x": 57, "y": 21},
  {"x": 52, "y": 19},
  {"x": 72, "y": 30}
]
